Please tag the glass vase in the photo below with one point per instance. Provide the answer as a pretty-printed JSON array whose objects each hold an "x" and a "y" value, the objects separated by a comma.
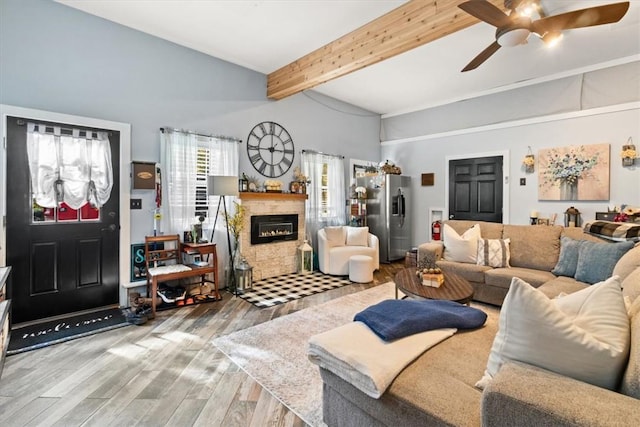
[
  {"x": 628, "y": 161},
  {"x": 236, "y": 257}
]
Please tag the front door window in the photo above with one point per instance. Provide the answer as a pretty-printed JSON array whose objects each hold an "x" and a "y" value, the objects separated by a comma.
[{"x": 71, "y": 173}]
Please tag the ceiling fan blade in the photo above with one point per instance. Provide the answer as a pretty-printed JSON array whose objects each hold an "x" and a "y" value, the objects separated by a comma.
[
  {"x": 485, "y": 11},
  {"x": 589, "y": 17},
  {"x": 483, "y": 56}
]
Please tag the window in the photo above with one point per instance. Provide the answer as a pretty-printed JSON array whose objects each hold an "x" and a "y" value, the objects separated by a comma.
[
  {"x": 326, "y": 203},
  {"x": 71, "y": 173},
  {"x": 187, "y": 160},
  {"x": 203, "y": 159}
]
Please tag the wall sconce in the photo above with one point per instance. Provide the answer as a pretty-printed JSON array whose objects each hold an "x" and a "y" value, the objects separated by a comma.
[
  {"x": 628, "y": 153},
  {"x": 529, "y": 161}
]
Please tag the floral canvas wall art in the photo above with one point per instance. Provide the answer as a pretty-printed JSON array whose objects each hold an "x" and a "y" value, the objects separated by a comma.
[{"x": 579, "y": 172}]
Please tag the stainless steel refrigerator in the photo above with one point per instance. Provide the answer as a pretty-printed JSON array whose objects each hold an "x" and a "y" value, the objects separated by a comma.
[{"x": 388, "y": 213}]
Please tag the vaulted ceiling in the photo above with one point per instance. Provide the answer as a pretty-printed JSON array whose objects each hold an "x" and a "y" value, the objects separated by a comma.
[{"x": 423, "y": 64}]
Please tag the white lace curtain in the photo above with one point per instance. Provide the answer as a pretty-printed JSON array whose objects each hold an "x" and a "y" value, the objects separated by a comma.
[
  {"x": 69, "y": 165},
  {"x": 326, "y": 193}
]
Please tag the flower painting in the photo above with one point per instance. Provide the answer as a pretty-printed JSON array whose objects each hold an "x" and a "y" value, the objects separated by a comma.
[{"x": 578, "y": 172}]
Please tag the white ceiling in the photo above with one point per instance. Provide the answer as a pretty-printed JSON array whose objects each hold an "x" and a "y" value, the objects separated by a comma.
[{"x": 264, "y": 35}]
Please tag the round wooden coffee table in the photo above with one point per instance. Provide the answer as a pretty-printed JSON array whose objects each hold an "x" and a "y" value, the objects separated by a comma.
[{"x": 455, "y": 288}]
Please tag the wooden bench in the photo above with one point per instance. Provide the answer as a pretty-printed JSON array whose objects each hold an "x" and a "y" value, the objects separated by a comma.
[{"x": 163, "y": 262}]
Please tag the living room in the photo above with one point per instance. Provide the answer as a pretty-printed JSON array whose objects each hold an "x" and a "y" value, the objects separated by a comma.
[{"x": 114, "y": 73}]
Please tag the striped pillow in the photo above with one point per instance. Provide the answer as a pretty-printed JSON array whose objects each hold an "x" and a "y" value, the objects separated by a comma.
[{"x": 493, "y": 252}]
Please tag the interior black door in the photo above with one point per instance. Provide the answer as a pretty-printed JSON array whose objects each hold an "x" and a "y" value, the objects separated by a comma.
[
  {"x": 57, "y": 267},
  {"x": 475, "y": 189}
]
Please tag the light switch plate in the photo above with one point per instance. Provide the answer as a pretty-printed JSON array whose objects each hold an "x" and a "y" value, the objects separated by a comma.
[{"x": 523, "y": 181}]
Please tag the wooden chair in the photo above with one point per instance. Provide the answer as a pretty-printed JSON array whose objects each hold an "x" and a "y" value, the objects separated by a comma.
[{"x": 163, "y": 262}]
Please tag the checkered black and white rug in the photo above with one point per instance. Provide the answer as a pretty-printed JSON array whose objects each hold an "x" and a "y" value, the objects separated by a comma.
[{"x": 280, "y": 289}]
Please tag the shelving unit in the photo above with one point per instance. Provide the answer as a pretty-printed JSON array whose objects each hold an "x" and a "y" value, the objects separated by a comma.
[{"x": 358, "y": 212}]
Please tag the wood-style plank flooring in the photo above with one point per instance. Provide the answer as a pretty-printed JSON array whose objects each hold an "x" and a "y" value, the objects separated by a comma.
[{"x": 163, "y": 373}]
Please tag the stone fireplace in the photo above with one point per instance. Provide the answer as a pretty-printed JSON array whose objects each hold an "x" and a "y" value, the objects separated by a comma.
[{"x": 278, "y": 255}]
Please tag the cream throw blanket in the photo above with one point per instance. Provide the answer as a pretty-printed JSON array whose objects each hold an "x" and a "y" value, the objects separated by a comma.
[{"x": 357, "y": 355}]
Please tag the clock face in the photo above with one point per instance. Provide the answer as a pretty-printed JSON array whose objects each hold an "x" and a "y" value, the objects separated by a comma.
[{"x": 270, "y": 149}]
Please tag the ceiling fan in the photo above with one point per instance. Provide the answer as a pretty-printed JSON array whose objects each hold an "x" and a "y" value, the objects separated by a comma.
[{"x": 514, "y": 28}]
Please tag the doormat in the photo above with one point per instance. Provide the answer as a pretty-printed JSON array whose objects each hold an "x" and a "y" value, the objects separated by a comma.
[
  {"x": 280, "y": 289},
  {"x": 53, "y": 332}
]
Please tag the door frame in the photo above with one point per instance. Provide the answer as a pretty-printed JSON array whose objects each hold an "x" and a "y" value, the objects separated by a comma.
[
  {"x": 125, "y": 187},
  {"x": 506, "y": 161}
]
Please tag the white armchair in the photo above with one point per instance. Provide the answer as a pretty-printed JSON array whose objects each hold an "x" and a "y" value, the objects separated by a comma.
[{"x": 337, "y": 244}]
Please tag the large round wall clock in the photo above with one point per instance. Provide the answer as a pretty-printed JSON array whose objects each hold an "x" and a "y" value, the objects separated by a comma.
[{"x": 270, "y": 149}]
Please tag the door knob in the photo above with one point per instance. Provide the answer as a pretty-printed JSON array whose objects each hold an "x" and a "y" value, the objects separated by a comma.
[
  {"x": 111, "y": 228},
  {"x": 451, "y": 216}
]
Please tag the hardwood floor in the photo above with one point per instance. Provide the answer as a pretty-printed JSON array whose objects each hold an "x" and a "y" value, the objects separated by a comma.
[{"x": 163, "y": 373}]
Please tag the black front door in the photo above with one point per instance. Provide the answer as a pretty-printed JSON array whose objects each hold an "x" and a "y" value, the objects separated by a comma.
[
  {"x": 60, "y": 265},
  {"x": 475, "y": 189}
]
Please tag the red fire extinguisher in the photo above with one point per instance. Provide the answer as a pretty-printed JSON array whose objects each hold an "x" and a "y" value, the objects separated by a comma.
[{"x": 435, "y": 230}]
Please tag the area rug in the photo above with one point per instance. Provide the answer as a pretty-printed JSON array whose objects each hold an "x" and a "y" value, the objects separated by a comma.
[
  {"x": 47, "y": 333},
  {"x": 274, "y": 353},
  {"x": 280, "y": 289}
]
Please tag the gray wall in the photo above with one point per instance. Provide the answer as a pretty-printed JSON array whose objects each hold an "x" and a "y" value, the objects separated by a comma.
[
  {"x": 59, "y": 59},
  {"x": 430, "y": 154}
]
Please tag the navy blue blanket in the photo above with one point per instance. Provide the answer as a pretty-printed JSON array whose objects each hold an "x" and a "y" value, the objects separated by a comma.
[{"x": 393, "y": 319}]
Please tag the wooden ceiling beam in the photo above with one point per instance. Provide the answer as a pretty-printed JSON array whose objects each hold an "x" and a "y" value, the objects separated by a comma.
[{"x": 413, "y": 24}]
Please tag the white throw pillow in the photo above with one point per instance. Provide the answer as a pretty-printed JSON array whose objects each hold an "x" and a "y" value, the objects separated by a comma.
[
  {"x": 584, "y": 335},
  {"x": 357, "y": 236},
  {"x": 336, "y": 236},
  {"x": 461, "y": 248},
  {"x": 494, "y": 252}
]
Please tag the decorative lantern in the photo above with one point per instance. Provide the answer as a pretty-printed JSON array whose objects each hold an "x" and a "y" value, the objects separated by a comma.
[
  {"x": 572, "y": 217},
  {"x": 243, "y": 183},
  {"x": 244, "y": 276},
  {"x": 305, "y": 258}
]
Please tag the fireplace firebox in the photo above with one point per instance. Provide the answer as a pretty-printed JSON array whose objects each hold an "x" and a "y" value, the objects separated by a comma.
[{"x": 273, "y": 228}]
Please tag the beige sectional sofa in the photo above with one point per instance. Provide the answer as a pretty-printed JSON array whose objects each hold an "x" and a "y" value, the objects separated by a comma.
[
  {"x": 534, "y": 253},
  {"x": 438, "y": 388}
]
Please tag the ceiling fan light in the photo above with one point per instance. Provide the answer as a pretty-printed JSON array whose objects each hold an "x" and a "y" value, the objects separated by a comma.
[
  {"x": 526, "y": 8},
  {"x": 514, "y": 37},
  {"x": 552, "y": 38}
]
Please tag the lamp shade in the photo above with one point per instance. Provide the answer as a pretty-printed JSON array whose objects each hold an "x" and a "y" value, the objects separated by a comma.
[{"x": 222, "y": 185}]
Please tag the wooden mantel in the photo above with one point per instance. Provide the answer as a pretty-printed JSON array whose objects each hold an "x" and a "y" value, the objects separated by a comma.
[{"x": 249, "y": 195}]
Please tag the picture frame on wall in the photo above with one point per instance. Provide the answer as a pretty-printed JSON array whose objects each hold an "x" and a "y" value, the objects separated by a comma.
[
  {"x": 358, "y": 168},
  {"x": 143, "y": 175},
  {"x": 576, "y": 172}
]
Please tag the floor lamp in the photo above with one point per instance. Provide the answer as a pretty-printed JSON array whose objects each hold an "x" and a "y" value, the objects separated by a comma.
[{"x": 223, "y": 186}]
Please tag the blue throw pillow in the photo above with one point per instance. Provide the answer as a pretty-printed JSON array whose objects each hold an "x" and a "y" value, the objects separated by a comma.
[
  {"x": 597, "y": 260},
  {"x": 568, "y": 261}
]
